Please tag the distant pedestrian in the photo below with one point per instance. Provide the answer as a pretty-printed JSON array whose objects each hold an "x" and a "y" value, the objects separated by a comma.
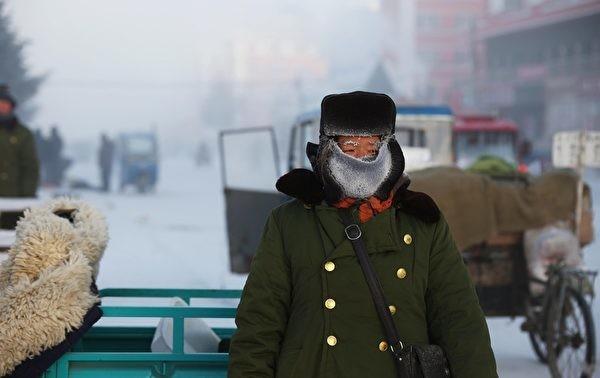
[
  {"x": 40, "y": 145},
  {"x": 19, "y": 166},
  {"x": 105, "y": 161},
  {"x": 55, "y": 162}
]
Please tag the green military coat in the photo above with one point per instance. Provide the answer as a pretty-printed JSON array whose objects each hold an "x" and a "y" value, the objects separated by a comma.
[
  {"x": 19, "y": 166},
  {"x": 306, "y": 310}
]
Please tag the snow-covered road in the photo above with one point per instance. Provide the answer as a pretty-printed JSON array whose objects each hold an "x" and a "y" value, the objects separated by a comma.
[{"x": 176, "y": 237}]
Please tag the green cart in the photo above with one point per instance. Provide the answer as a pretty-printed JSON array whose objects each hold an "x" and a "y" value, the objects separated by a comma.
[{"x": 125, "y": 351}]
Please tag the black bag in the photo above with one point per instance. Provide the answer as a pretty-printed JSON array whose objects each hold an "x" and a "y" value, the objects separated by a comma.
[{"x": 419, "y": 361}]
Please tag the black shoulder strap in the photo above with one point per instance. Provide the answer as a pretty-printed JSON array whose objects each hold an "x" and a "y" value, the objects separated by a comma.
[{"x": 354, "y": 234}]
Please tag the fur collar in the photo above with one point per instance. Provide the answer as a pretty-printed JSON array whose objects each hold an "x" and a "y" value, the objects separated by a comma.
[{"x": 304, "y": 185}]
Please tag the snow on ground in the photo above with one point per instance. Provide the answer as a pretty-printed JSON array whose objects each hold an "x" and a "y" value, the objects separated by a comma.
[{"x": 176, "y": 237}]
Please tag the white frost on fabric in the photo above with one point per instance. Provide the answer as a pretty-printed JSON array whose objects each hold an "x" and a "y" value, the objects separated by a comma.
[
  {"x": 359, "y": 178},
  {"x": 333, "y": 130}
]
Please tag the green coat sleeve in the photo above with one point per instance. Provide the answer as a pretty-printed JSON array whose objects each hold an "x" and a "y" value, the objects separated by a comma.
[
  {"x": 29, "y": 167},
  {"x": 263, "y": 310},
  {"x": 456, "y": 320}
]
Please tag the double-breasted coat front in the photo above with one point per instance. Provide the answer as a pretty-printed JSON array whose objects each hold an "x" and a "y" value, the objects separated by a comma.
[{"x": 306, "y": 310}]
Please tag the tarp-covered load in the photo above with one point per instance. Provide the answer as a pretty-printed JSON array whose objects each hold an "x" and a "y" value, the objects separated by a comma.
[{"x": 478, "y": 208}]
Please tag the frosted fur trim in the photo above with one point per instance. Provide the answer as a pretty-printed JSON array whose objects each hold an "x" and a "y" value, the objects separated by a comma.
[
  {"x": 334, "y": 130},
  {"x": 37, "y": 314},
  {"x": 359, "y": 178}
]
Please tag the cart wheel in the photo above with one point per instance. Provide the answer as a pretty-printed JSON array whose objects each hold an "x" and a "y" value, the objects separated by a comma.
[{"x": 571, "y": 342}]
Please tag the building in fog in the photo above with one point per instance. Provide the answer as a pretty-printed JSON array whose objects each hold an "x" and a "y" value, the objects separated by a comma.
[
  {"x": 432, "y": 39},
  {"x": 538, "y": 63},
  {"x": 444, "y": 35},
  {"x": 271, "y": 74}
]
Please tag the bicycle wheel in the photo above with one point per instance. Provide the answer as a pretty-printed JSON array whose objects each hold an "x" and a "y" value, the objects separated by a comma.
[
  {"x": 537, "y": 329},
  {"x": 539, "y": 345},
  {"x": 571, "y": 343}
]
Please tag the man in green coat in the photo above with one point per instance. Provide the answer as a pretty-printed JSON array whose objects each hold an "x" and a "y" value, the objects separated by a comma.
[
  {"x": 19, "y": 166},
  {"x": 306, "y": 310}
]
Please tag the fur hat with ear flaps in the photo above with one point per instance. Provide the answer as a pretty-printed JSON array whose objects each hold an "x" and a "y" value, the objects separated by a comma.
[
  {"x": 48, "y": 297},
  {"x": 356, "y": 114}
]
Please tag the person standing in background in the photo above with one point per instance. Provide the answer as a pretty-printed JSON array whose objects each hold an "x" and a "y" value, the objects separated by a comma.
[
  {"x": 40, "y": 145},
  {"x": 56, "y": 164},
  {"x": 19, "y": 164},
  {"x": 105, "y": 161}
]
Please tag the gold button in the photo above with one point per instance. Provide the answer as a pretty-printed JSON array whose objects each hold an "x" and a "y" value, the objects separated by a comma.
[
  {"x": 331, "y": 340},
  {"x": 392, "y": 309},
  {"x": 330, "y": 303},
  {"x": 13, "y": 140},
  {"x": 401, "y": 273},
  {"x": 329, "y": 266},
  {"x": 407, "y": 239},
  {"x": 306, "y": 206},
  {"x": 383, "y": 346}
]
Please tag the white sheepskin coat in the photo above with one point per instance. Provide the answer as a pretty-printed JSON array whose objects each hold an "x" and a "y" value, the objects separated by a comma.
[{"x": 45, "y": 282}]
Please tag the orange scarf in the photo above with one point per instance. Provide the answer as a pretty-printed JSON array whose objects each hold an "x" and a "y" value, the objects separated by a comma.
[{"x": 369, "y": 208}]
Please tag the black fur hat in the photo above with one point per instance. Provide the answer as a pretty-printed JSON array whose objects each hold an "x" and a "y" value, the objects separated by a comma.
[
  {"x": 357, "y": 113},
  {"x": 6, "y": 96}
]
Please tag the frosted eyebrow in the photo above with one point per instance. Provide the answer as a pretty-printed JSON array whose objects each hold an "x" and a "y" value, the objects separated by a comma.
[{"x": 351, "y": 143}]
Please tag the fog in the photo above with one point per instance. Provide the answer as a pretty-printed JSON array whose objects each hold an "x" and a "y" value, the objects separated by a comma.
[{"x": 127, "y": 65}]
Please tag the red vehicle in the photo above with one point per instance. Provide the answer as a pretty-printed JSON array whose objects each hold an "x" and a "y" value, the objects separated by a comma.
[{"x": 478, "y": 135}]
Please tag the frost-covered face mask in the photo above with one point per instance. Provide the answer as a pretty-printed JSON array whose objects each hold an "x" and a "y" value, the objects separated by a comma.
[{"x": 359, "y": 178}]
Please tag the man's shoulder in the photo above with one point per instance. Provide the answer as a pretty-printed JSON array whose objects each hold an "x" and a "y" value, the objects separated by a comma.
[
  {"x": 287, "y": 209},
  {"x": 418, "y": 205},
  {"x": 22, "y": 129}
]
